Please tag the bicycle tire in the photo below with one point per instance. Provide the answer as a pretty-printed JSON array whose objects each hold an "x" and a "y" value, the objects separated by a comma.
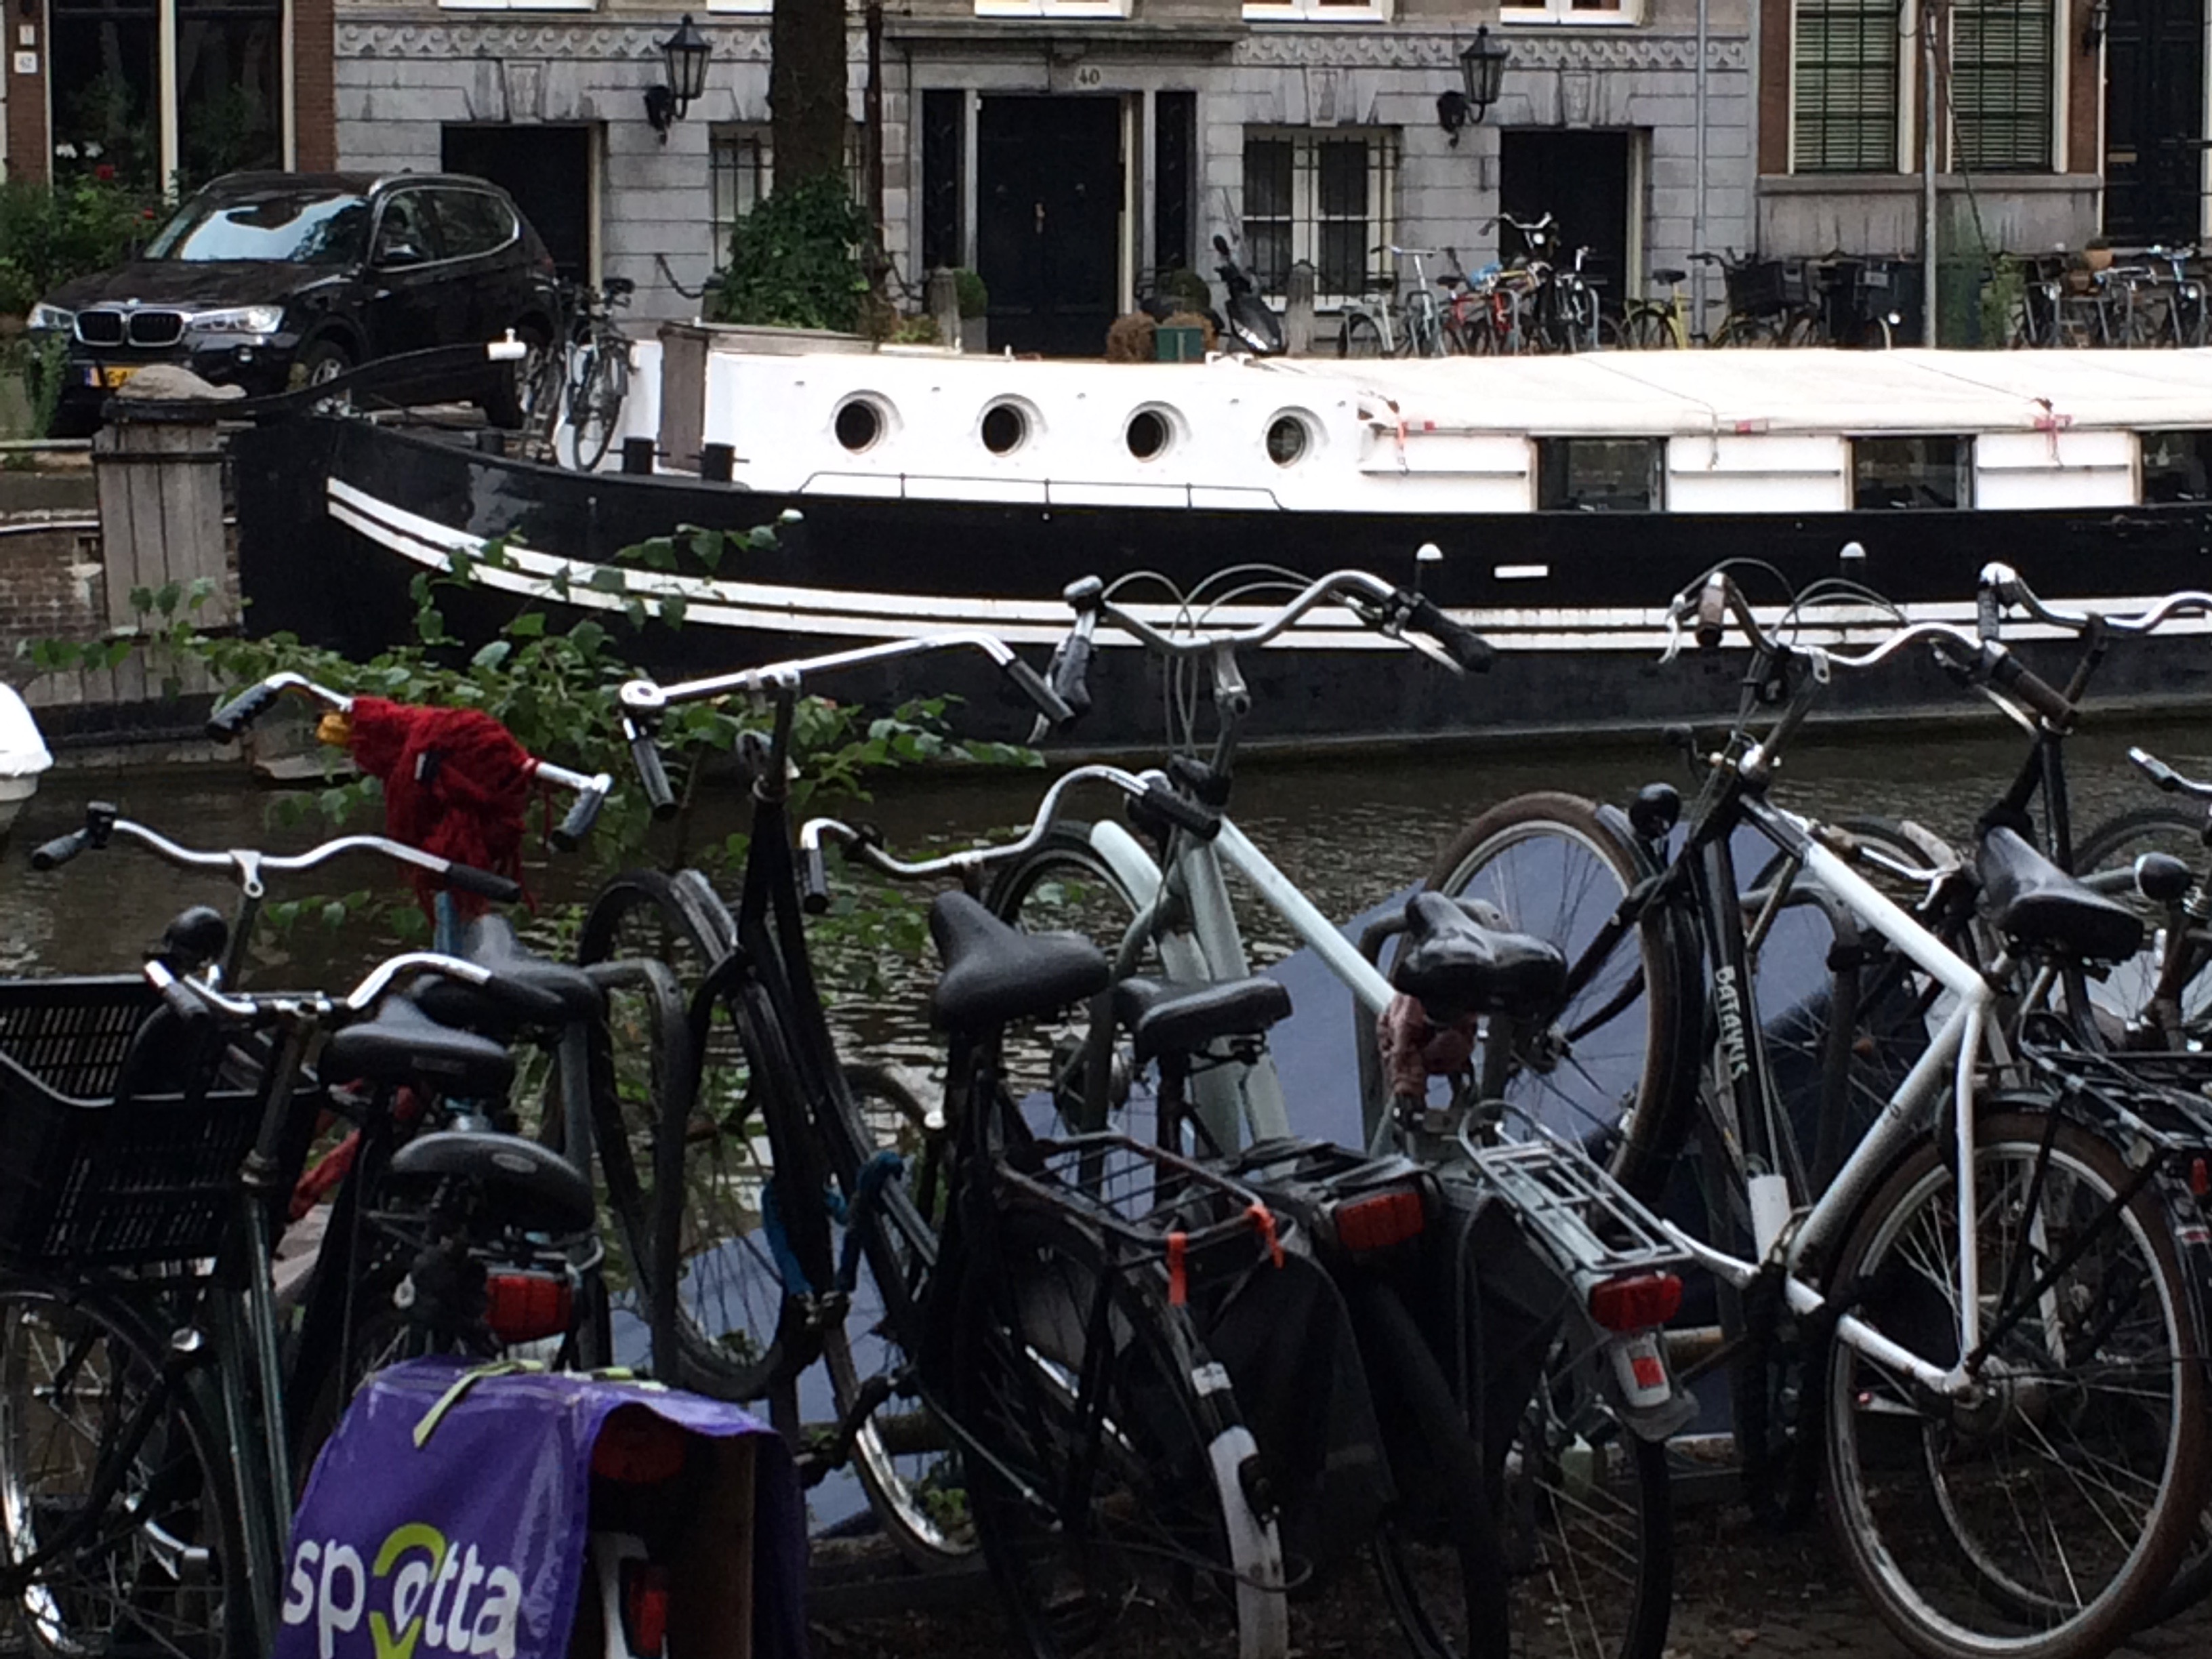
[
  {"x": 734, "y": 1328},
  {"x": 1358, "y": 336},
  {"x": 600, "y": 389},
  {"x": 1651, "y": 328},
  {"x": 906, "y": 1459},
  {"x": 1741, "y": 331},
  {"x": 1142, "y": 1532},
  {"x": 2104, "y": 858},
  {"x": 162, "y": 1566},
  {"x": 1926, "y": 1581},
  {"x": 1557, "y": 868}
]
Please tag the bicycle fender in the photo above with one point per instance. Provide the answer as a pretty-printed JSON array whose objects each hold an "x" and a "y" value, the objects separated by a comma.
[{"x": 1255, "y": 1550}]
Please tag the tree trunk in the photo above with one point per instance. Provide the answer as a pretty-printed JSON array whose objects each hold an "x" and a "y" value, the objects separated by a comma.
[{"x": 807, "y": 89}]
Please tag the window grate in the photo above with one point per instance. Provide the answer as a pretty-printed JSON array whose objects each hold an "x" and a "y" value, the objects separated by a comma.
[
  {"x": 1843, "y": 86},
  {"x": 1323, "y": 197}
]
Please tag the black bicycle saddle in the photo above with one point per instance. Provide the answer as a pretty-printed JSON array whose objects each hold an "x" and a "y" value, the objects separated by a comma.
[
  {"x": 2032, "y": 899},
  {"x": 994, "y": 973},
  {"x": 402, "y": 1044},
  {"x": 1454, "y": 965},
  {"x": 530, "y": 1185},
  {"x": 1167, "y": 1018}
]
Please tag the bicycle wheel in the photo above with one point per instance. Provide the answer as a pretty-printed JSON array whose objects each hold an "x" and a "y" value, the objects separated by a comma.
[
  {"x": 1108, "y": 1490},
  {"x": 1651, "y": 328},
  {"x": 905, "y": 1459},
  {"x": 155, "y": 1565},
  {"x": 2043, "y": 1516},
  {"x": 595, "y": 411},
  {"x": 729, "y": 1312},
  {"x": 1589, "y": 1522},
  {"x": 1610, "y": 1070},
  {"x": 1358, "y": 336},
  {"x": 1740, "y": 329},
  {"x": 2104, "y": 858}
]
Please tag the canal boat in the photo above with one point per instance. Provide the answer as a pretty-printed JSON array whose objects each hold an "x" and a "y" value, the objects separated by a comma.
[
  {"x": 1555, "y": 504},
  {"x": 23, "y": 757}
]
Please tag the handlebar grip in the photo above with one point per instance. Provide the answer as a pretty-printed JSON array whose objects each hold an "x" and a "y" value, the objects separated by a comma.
[
  {"x": 1473, "y": 652},
  {"x": 61, "y": 849},
  {"x": 1186, "y": 815},
  {"x": 484, "y": 884},
  {"x": 240, "y": 712},
  {"x": 2008, "y": 672},
  {"x": 189, "y": 1010},
  {"x": 1988, "y": 613},
  {"x": 645, "y": 755},
  {"x": 813, "y": 881},
  {"x": 1059, "y": 712},
  {"x": 575, "y": 829},
  {"x": 529, "y": 1003},
  {"x": 1712, "y": 613}
]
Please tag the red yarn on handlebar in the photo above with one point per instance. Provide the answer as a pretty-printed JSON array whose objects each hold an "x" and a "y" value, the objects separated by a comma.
[{"x": 456, "y": 784}]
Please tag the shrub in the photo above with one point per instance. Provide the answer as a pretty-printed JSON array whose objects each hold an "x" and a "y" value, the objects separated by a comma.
[
  {"x": 1130, "y": 339},
  {"x": 1188, "y": 289},
  {"x": 796, "y": 261},
  {"x": 974, "y": 298},
  {"x": 48, "y": 236}
]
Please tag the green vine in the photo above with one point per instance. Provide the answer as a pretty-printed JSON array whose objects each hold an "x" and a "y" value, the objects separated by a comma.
[{"x": 798, "y": 261}]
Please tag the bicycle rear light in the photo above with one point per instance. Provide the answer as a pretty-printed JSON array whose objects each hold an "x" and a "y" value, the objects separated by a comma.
[
  {"x": 645, "y": 1608},
  {"x": 527, "y": 1307},
  {"x": 1377, "y": 1222},
  {"x": 1637, "y": 1302}
]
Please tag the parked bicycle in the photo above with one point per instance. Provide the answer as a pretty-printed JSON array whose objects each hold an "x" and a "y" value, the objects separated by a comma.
[{"x": 577, "y": 383}]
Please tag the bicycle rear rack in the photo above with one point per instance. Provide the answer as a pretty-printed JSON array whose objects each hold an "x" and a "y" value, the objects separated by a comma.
[{"x": 1585, "y": 1220}]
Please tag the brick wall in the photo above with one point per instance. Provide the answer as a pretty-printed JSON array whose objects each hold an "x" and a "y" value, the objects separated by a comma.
[
  {"x": 51, "y": 586},
  {"x": 27, "y": 106},
  {"x": 314, "y": 86}
]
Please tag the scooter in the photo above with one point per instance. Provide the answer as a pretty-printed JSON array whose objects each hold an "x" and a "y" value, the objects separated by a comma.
[{"x": 1253, "y": 327}]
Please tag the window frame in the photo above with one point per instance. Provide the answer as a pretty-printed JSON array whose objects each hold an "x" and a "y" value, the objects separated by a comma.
[
  {"x": 505, "y": 208},
  {"x": 1564, "y": 14},
  {"x": 521, "y": 5},
  {"x": 1554, "y": 458},
  {"x": 1318, "y": 11},
  {"x": 1962, "y": 470},
  {"x": 1305, "y": 219},
  {"x": 1955, "y": 116},
  {"x": 1902, "y": 78},
  {"x": 2197, "y": 447},
  {"x": 1070, "y": 10}
]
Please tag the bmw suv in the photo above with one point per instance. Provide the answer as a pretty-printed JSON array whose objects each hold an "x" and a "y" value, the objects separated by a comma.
[{"x": 271, "y": 280}]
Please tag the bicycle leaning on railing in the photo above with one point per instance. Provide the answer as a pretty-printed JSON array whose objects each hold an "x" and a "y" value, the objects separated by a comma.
[{"x": 576, "y": 383}]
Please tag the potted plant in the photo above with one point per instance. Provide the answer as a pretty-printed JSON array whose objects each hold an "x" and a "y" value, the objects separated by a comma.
[{"x": 974, "y": 308}]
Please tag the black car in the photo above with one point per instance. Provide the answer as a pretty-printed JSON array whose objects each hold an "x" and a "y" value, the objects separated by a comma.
[{"x": 272, "y": 280}]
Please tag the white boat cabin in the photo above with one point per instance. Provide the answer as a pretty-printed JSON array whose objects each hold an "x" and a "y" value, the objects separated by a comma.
[{"x": 1723, "y": 432}]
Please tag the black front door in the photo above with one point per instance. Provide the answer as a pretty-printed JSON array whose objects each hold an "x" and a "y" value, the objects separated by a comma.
[
  {"x": 1580, "y": 178},
  {"x": 2153, "y": 120},
  {"x": 1049, "y": 224},
  {"x": 548, "y": 172}
]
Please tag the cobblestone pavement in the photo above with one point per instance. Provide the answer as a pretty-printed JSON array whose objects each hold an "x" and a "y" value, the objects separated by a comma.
[{"x": 1740, "y": 1594}]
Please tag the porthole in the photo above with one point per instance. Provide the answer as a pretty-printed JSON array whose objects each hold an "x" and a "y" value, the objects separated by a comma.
[
  {"x": 859, "y": 424},
  {"x": 1006, "y": 428},
  {"x": 1150, "y": 433},
  {"x": 1289, "y": 438}
]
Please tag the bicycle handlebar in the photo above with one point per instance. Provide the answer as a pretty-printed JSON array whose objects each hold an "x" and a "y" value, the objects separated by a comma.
[
  {"x": 1457, "y": 647},
  {"x": 527, "y": 1000},
  {"x": 2172, "y": 782},
  {"x": 249, "y": 865},
  {"x": 2004, "y": 585},
  {"x": 231, "y": 720}
]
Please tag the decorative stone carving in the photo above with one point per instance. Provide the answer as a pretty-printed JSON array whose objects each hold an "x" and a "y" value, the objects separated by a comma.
[
  {"x": 592, "y": 40},
  {"x": 525, "y": 81},
  {"x": 1575, "y": 97},
  {"x": 1380, "y": 48}
]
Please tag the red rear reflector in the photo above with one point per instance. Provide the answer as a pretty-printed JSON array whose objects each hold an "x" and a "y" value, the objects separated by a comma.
[
  {"x": 645, "y": 1607},
  {"x": 2199, "y": 1182},
  {"x": 1636, "y": 1304},
  {"x": 526, "y": 1307},
  {"x": 1377, "y": 1223},
  {"x": 1649, "y": 1372}
]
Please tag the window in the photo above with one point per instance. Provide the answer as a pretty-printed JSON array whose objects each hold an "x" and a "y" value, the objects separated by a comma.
[
  {"x": 741, "y": 169},
  {"x": 943, "y": 163},
  {"x": 1571, "y": 11},
  {"x": 1318, "y": 11},
  {"x": 1911, "y": 472},
  {"x": 474, "y": 222},
  {"x": 1175, "y": 148},
  {"x": 223, "y": 103},
  {"x": 1052, "y": 8},
  {"x": 759, "y": 7},
  {"x": 2001, "y": 81},
  {"x": 1323, "y": 197},
  {"x": 1601, "y": 475},
  {"x": 2177, "y": 466},
  {"x": 1843, "y": 86},
  {"x": 410, "y": 222},
  {"x": 518, "y": 5}
]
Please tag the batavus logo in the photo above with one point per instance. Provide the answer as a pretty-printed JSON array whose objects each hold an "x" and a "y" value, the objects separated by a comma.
[
  {"x": 422, "y": 1588},
  {"x": 1729, "y": 1005}
]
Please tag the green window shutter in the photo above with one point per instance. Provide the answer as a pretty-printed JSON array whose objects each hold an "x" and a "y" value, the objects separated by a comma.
[
  {"x": 1843, "y": 86},
  {"x": 2001, "y": 78}
]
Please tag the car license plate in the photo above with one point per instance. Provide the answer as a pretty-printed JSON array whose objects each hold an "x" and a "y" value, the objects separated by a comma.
[{"x": 113, "y": 377}]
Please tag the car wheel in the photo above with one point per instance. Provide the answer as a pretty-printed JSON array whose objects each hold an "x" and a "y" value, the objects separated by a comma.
[
  {"x": 322, "y": 361},
  {"x": 503, "y": 405}
]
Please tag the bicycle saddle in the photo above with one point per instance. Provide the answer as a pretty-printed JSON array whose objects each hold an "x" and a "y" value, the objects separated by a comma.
[
  {"x": 531, "y": 1187},
  {"x": 1454, "y": 965},
  {"x": 1670, "y": 278},
  {"x": 403, "y": 1044},
  {"x": 617, "y": 287},
  {"x": 994, "y": 973},
  {"x": 492, "y": 946},
  {"x": 2032, "y": 899},
  {"x": 1165, "y": 1018}
]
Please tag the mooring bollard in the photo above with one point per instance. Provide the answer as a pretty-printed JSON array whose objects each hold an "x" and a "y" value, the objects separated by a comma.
[
  {"x": 1299, "y": 311},
  {"x": 716, "y": 462},
  {"x": 160, "y": 480},
  {"x": 637, "y": 456}
]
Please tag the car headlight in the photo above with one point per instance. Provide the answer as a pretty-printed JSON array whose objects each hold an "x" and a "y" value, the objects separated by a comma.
[
  {"x": 46, "y": 318},
  {"x": 239, "y": 320}
]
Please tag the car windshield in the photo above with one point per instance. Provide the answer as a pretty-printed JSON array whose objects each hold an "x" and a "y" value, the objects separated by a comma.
[{"x": 317, "y": 227}]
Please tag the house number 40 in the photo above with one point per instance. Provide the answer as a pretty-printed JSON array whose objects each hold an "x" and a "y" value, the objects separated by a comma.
[{"x": 1090, "y": 75}]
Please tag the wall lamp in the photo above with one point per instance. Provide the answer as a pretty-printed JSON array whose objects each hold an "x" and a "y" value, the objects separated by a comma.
[
  {"x": 685, "y": 53},
  {"x": 1482, "y": 72},
  {"x": 2092, "y": 27}
]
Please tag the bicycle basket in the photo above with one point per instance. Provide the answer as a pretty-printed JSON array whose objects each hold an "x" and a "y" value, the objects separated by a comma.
[
  {"x": 1147, "y": 1206},
  {"x": 1758, "y": 287},
  {"x": 90, "y": 1180}
]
